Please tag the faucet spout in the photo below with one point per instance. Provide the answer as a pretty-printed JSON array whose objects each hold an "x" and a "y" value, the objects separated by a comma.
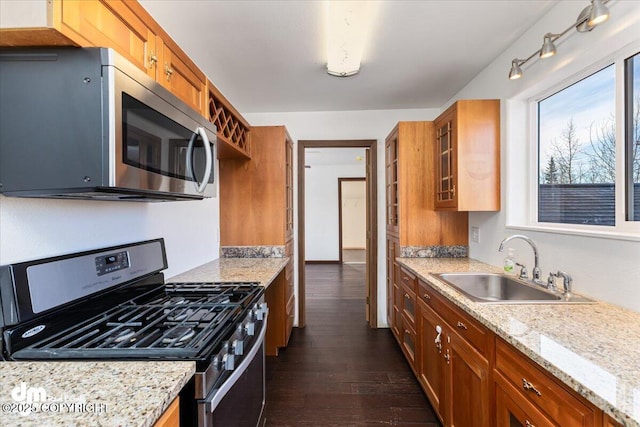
[{"x": 537, "y": 273}]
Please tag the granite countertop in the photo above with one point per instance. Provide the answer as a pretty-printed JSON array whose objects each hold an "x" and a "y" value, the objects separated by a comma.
[
  {"x": 593, "y": 348},
  {"x": 118, "y": 394},
  {"x": 262, "y": 270}
]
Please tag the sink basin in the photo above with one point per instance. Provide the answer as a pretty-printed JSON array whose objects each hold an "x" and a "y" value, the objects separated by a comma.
[{"x": 500, "y": 289}]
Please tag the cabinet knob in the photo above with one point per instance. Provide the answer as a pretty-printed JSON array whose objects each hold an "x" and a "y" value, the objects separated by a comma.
[
  {"x": 426, "y": 297},
  {"x": 461, "y": 325},
  {"x": 153, "y": 60},
  {"x": 447, "y": 357},
  {"x": 168, "y": 71},
  {"x": 527, "y": 386}
]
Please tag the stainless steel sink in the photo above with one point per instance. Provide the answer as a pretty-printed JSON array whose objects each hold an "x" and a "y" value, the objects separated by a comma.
[{"x": 500, "y": 289}]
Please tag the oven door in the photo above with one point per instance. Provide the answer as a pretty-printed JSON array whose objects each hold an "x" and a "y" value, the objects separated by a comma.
[
  {"x": 159, "y": 145},
  {"x": 240, "y": 400}
]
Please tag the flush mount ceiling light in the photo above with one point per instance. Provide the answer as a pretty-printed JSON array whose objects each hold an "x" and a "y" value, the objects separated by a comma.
[
  {"x": 348, "y": 23},
  {"x": 590, "y": 16}
]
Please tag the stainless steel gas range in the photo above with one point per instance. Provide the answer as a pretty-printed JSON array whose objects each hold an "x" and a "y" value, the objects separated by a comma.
[{"x": 113, "y": 304}]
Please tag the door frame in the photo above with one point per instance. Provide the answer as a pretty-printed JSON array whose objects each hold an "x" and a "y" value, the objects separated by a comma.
[
  {"x": 340, "y": 181},
  {"x": 372, "y": 232}
]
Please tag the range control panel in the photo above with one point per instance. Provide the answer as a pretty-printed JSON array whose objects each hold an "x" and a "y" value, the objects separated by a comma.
[{"x": 112, "y": 262}]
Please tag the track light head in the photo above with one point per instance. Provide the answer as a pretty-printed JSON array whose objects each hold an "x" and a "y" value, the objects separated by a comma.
[
  {"x": 599, "y": 13},
  {"x": 548, "y": 47},
  {"x": 515, "y": 72}
]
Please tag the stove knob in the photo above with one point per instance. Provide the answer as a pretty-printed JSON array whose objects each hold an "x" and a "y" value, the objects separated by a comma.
[
  {"x": 228, "y": 362},
  {"x": 261, "y": 311},
  {"x": 238, "y": 347},
  {"x": 250, "y": 327},
  {"x": 216, "y": 363}
]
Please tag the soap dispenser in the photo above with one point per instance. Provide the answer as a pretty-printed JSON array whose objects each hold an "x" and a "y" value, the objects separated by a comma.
[{"x": 510, "y": 262}]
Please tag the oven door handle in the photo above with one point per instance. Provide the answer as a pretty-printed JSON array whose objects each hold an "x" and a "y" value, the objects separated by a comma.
[
  {"x": 207, "y": 154},
  {"x": 214, "y": 400}
]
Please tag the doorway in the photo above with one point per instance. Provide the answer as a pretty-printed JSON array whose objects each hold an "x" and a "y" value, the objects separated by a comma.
[
  {"x": 371, "y": 250},
  {"x": 352, "y": 232}
]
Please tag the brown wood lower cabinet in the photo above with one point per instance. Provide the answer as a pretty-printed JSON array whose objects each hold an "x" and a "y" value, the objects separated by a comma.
[
  {"x": 170, "y": 417},
  {"x": 454, "y": 374},
  {"x": 560, "y": 404},
  {"x": 475, "y": 379},
  {"x": 281, "y": 302}
]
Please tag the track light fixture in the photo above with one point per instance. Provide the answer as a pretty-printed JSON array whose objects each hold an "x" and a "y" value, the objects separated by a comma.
[
  {"x": 515, "y": 72},
  {"x": 548, "y": 48},
  {"x": 589, "y": 17}
]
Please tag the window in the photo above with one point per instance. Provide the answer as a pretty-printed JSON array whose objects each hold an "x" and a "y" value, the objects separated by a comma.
[
  {"x": 632, "y": 132},
  {"x": 577, "y": 152},
  {"x": 581, "y": 160}
]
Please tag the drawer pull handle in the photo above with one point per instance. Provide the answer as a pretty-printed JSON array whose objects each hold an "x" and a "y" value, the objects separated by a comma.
[
  {"x": 527, "y": 423},
  {"x": 405, "y": 278},
  {"x": 462, "y": 325},
  {"x": 426, "y": 297},
  {"x": 530, "y": 387},
  {"x": 447, "y": 357}
]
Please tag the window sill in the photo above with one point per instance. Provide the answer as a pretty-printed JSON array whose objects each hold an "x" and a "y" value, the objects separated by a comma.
[{"x": 586, "y": 232}]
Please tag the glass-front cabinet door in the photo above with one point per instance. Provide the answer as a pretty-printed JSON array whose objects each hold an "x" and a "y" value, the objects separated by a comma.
[{"x": 445, "y": 163}]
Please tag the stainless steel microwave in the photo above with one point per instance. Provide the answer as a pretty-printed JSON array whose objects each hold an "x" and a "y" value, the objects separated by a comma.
[{"x": 85, "y": 123}]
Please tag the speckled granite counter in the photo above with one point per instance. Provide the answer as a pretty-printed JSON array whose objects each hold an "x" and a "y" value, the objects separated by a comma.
[
  {"x": 262, "y": 270},
  {"x": 593, "y": 348},
  {"x": 90, "y": 394}
]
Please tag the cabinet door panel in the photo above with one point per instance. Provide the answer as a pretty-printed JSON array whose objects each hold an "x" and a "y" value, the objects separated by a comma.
[
  {"x": 181, "y": 80},
  {"x": 430, "y": 363},
  {"x": 469, "y": 385},
  {"x": 108, "y": 23}
]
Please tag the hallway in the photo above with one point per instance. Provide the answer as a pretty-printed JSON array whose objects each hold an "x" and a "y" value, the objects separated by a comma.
[{"x": 339, "y": 372}]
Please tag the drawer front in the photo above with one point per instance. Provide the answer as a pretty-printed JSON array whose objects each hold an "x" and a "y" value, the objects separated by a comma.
[
  {"x": 559, "y": 403},
  {"x": 514, "y": 410},
  {"x": 408, "y": 341},
  {"x": 467, "y": 327},
  {"x": 408, "y": 279},
  {"x": 408, "y": 304}
]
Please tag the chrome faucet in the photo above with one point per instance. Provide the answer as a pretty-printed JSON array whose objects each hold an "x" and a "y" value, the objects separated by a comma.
[
  {"x": 567, "y": 282},
  {"x": 537, "y": 273}
]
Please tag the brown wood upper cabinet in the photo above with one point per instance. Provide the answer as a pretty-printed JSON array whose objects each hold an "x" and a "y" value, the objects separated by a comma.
[
  {"x": 122, "y": 25},
  {"x": 467, "y": 156},
  {"x": 256, "y": 209},
  {"x": 411, "y": 218}
]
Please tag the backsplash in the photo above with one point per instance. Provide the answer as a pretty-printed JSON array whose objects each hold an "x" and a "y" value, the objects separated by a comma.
[
  {"x": 252, "y": 251},
  {"x": 455, "y": 251}
]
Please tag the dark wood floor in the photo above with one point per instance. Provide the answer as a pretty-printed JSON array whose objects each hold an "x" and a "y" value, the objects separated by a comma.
[{"x": 339, "y": 372}]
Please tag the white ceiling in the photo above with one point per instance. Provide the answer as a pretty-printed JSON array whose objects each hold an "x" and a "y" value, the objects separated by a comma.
[{"x": 268, "y": 56}]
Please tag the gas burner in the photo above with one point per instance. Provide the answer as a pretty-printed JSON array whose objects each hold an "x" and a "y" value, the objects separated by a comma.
[
  {"x": 123, "y": 335},
  {"x": 176, "y": 300},
  {"x": 178, "y": 315},
  {"x": 178, "y": 335}
]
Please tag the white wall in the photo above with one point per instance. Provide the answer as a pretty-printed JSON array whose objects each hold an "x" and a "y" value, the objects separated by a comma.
[
  {"x": 321, "y": 209},
  {"x": 604, "y": 268},
  {"x": 330, "y": 125},
  {"x": 354, "y": 214},
  {"x": 38, "y": 228}
]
